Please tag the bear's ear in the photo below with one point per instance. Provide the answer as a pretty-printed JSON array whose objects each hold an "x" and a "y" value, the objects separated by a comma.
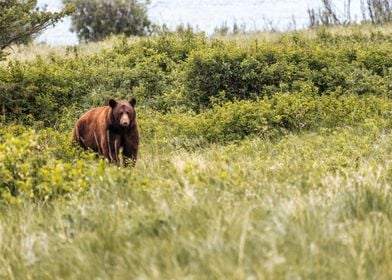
[
  {"x": 133, "y": 102},
  {"x": 112, "y": 103}
]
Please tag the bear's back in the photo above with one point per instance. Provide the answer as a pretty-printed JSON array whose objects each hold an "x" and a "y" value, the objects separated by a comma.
[{"x": 91, "y": 125}]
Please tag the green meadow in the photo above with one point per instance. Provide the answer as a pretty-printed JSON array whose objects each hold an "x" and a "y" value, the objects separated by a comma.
[{"x": 265, "y": 156}]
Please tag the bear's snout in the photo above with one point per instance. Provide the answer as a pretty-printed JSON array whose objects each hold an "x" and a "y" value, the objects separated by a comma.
[{"x": 125, "y": 121}]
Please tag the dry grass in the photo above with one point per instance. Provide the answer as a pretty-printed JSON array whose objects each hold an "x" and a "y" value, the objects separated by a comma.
[
  {"x": 271, "y": 36},
  {"x": 30, "y": 52}
]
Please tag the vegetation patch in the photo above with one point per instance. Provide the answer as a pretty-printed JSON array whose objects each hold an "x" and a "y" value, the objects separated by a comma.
[{"x": 265, "y": 159}]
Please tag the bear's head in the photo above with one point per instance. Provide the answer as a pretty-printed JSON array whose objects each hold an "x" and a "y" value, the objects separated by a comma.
[{"x": 123, "y": 112}]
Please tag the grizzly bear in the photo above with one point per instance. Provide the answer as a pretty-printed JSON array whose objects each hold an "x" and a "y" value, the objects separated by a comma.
[{"x": 107, "y": 129}]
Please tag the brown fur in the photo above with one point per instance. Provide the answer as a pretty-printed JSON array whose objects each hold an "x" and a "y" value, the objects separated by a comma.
[{"x": 100, "y": 130}]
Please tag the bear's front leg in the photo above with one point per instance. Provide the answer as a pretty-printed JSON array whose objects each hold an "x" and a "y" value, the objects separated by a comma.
[
  {"x": 111, "y": 147},
  {"x": 130, "y": 147},
  {"x": 130, "y": 155},
  {"x": 115, "y": 149}
]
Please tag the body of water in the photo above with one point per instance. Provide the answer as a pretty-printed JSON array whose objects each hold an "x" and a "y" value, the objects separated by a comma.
[{"x": 205, "y": 15}]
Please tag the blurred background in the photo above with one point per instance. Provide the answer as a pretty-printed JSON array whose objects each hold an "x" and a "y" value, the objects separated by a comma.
[{"x": 207, "y": 15}]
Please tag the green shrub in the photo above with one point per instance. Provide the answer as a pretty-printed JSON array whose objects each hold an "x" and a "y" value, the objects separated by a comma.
[
  {"x": 267, "y": 118},
  {"x": 96, "y": 19},
  {"x": 42, "y": 166},
  {"x": 185, "y": 72}
]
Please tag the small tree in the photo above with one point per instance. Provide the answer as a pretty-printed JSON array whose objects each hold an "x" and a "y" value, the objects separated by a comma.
[
  {"x": 326, "y": 16},
  {"x": 20, "y": 20},
  {"x": 374, "y": 11},
  {"x": 380, "y": 11},
  {"x": 96, "y": 19}
]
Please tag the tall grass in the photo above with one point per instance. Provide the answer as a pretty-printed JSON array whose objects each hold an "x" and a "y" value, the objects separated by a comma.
[{"x": 312, "y": 205}]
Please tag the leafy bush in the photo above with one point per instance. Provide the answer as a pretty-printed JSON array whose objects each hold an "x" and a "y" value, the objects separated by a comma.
[
  {"x": 183, "y": 72},
  {"x": 267, "y": 118},
  {"x": 96, "y": 19},
  {"x": 42, "y": 165}
]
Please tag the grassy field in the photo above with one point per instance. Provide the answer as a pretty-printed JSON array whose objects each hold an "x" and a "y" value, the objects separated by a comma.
[
  {"x": 290, "y": 186},
  {"x": 307, "y": 206}
]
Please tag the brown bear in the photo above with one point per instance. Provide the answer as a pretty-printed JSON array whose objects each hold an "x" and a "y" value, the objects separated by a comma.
[{"x": 107, "y": 129}]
